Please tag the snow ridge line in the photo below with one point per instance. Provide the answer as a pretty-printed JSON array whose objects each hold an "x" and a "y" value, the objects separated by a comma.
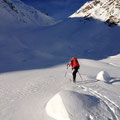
[{"x": 113, "y": 108}]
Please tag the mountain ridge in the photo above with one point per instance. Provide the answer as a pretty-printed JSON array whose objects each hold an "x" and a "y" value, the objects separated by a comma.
[
  {"x": 18, "y": 11},
  {"x": 105, "y": 10}
]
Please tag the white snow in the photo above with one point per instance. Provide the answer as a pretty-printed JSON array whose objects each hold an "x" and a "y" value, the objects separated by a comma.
[
  {"x": 113, "y": 60},
  {"x": 69, "y": 105},
  {"x": 105, "y": 10},
  {"x": 17, "y": 11},
  {"x": 56, "y": 109},
  {"x": 29, "y": 47},
  {"x": 29, "y": 94},
  {"x": 33, "y": 63},
  {"x": 103, "y": 75}
]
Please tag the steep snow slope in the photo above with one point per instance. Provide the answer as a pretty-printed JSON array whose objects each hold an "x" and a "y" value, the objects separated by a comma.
[
  {"x": 29, "y": 48},
  {"x": 15, "y": 10},
  {"x": 105, "y": 10}
]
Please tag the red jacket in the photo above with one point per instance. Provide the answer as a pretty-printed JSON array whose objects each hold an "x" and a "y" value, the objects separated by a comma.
[{"x": 74, "y": 62}]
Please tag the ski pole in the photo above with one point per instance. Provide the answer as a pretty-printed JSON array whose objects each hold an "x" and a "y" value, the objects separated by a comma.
[
  {"x": 80, "y": 75},
  {"x": 65, "y": 74},
  {"x": 66, "y": 71}
]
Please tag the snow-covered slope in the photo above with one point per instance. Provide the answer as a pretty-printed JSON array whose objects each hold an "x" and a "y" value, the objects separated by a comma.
[
  {"x": 26, "y": 47},
  {"x": 105, "y": 10},
  {"x": 113, "y": 60},
  {"x": 15, "y": 10},
  {"x": 71, "y": 105},
  {"x": 28, "y": 95},
  {"x": 30, "y": 48}
]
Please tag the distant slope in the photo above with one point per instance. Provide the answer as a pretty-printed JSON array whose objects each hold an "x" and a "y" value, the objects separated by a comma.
[
  {"x": 32, "y": 48},
  {"x": 15, "y": 10},
  {"x": 105, "y": 10}
]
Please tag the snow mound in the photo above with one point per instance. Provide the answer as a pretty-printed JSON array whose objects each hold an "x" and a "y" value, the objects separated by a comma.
[
  {"x": 103, "y": 75},
  {"x": 71, "y": 105}
]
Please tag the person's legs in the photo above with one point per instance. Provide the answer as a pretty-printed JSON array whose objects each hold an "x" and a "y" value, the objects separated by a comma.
[
  {"x": 74, "y": 75},
  {"x": 75, "y": 70}
]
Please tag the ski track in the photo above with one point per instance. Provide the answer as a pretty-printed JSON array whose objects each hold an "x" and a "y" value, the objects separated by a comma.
[
  {"x": 112, "y": 107},
  {"x": 114, "y": 65}
]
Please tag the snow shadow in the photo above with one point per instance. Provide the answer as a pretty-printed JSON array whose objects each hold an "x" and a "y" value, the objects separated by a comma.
[
  {"x": 66, "y": 104},
  {"x": 86, "y": 81},
  {"x": 113, "y": 80},
  {"x": 29, "y": 48}
]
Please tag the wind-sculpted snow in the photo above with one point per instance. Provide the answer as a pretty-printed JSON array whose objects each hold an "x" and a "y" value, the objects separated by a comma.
[
  {"x": 104, "y": 76},
  {"x": 70, "y": 105}
]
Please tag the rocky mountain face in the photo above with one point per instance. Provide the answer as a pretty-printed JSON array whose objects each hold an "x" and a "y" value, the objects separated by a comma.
[
  {"x": 17, "y": 10},
  {"x": 105, "y": 10}
]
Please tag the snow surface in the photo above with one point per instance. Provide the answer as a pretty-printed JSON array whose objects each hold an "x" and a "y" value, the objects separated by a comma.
[
  {"x": 33, "y": 64},
  {"x": 113, "y": 60},
  {"x": 26, "y": 47},
  {"x": 16, "y": 11},
  {"x": 25, "y": 94},
  {"x": 103, "y": 75},
  {"x": 56, "y": 109},
  {"x": 71, "y": 105},
  {"x": 30, "y": 46},
  {"x": 105, "y": 10}
]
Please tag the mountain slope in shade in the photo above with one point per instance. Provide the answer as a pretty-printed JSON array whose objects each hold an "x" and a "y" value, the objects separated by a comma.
[
  {"x": 26, "y": 47},
  {"x": 32, "y": 48},
  {"x": 105, "y": 10},
  {"x": 15, "y": 10}
]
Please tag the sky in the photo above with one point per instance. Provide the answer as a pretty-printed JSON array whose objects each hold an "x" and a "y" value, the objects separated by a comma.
[{"x": 59, "y": 9}]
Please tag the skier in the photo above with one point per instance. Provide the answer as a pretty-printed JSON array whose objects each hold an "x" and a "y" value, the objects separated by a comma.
[{"x": 75, "y": 66}]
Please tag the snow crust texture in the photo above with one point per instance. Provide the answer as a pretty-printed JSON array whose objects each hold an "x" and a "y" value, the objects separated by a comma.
[
  {"x": 71, "y": 105},
  {"x": 105, "y": 10}
]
